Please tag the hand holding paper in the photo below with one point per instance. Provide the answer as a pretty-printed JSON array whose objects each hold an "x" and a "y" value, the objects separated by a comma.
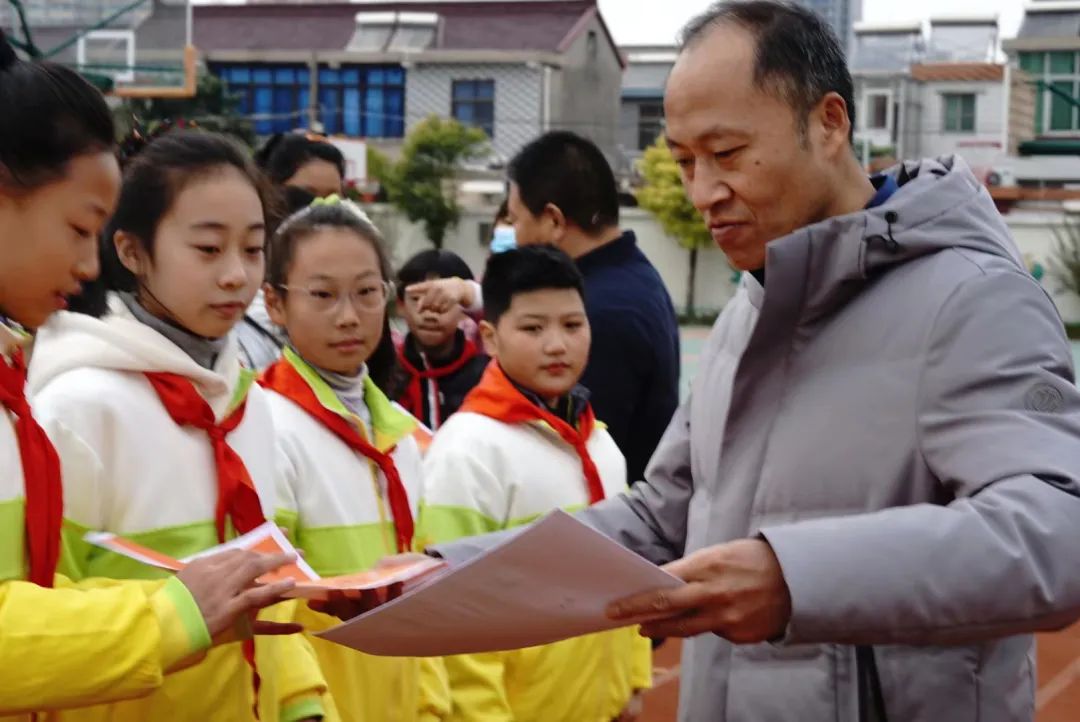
[
  {"x": 300, "y": 580},
  {"x": 551, "y": 581},
  {"x": 736, "y": 590}
]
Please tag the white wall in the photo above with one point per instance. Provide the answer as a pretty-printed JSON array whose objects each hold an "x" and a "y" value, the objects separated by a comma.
[
  {"x": 979, "y": 148},
  {"x": 1034, "y": 236}
]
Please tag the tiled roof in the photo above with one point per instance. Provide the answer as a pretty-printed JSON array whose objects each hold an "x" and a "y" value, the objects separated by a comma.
[
  {"x": 977, "y": 72},
  {"x": 532, "y": 26}
]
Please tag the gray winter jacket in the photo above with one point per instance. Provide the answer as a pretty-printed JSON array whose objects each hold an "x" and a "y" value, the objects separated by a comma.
[{"x": 896, "y": 414}]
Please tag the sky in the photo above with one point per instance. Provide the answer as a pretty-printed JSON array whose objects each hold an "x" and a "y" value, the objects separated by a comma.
[{"x": 631, "y": 26}]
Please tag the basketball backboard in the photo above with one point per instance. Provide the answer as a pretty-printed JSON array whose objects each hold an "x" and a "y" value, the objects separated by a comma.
[{"x": 133, "y": 48}]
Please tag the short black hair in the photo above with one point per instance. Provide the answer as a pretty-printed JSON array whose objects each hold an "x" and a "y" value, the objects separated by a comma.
[
  {"x": 284, "y": 154},
  {"x": 430, "y": 264},
  {"x": 525, "y": 269},
  {"x": 50, "y": 116},
  {"x": 798, "y": 56},
  {"x": 569, "y": 172}
]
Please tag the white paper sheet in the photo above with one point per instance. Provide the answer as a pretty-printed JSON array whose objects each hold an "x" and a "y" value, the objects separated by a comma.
[{"x": 550, "y": 582}]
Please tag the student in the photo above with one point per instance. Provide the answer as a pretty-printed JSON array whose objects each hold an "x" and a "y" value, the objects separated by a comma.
[
  {"x": 526, "y": 442},
  {"x": 440, "y": 364},
  {"x": 160, "y": 435},
  {"x": 68, "y": 644},
  {"x": 302, "y": 167},
  {"x": 349, "y": 481},
  {"x": 300, "y": 160}
]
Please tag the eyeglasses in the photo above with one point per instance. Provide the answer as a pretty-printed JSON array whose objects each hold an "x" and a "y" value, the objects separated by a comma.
[{"x": 369, "y": 297}]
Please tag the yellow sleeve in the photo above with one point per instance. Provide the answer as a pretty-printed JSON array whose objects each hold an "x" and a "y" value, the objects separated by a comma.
[
  {"x": 94, "y": 642},
  {"x": 641, "y": 663},
  {"x": 478, "y": 688},
  {"x": 434, "y": 690},
  {"x": 301, "y": 687}
]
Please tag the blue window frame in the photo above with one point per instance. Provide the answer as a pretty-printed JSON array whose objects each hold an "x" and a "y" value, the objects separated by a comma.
[
  {"x": 473, "y": 103},
  {"x": 276, "y": 97},
  {"x": 363, "y": 100}
]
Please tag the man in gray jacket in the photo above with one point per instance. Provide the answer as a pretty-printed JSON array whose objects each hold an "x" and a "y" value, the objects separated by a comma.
[{"x": 873, "y": 491}]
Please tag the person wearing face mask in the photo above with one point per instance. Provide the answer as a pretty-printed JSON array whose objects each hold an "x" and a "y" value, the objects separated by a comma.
[
  {"x": 503, "y": 237},
  {"x": 563, "y": 192}
]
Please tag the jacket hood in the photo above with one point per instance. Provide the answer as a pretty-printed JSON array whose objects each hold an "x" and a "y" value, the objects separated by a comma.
[
  {"x": 118, "y": 341},
  {"x": 939, "y": 205}
]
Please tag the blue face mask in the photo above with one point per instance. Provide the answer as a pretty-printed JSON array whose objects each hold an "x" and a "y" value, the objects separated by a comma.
[{"x": 504, "y": 240}]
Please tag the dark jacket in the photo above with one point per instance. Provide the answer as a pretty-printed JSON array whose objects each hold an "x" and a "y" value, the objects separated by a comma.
[
  {"x": 451, "y": 379},
  {"x": 633, "y": 370}
]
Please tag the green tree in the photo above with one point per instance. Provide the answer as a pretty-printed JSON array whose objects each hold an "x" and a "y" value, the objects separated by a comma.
[
  {"x": 1065, "y": 265},
  {"x": 213, "y": 108},
  {"x": 663, "y": 195},
  {"x": 421, "y": 183}
]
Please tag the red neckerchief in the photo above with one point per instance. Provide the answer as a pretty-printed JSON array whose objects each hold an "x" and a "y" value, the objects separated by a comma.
[
  {"x": 495, "y": 396},
  {"x": 287, "y": 381},
  {"x": 237, "y": 497},
  {"x": 44, "y": 505},
  {"x": 412, "y": 398}
]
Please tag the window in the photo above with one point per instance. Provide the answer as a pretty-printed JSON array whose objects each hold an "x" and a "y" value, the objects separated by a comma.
[
  {"x": 363, "y": 100},
  {"x": 275, "y": 97},
  {"x": 959, "y": 111},
  {"x": 473, "y": 103},
  {"x": 877, "y": 111},
  {"x": 1058, "y": 76},
  {"x": 650, "y": 123}
]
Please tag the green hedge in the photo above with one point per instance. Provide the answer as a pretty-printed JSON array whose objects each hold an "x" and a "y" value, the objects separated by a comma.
[{"x": 1073, "y": 330}]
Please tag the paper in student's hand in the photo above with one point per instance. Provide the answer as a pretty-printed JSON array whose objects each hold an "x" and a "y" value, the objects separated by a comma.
[
  {"x": 551, "y": 581},
  {"x": 268, "y": 539}
]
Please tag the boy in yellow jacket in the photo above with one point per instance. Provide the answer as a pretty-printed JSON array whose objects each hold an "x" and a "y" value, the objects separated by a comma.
[{"x": 526, "y": 442}]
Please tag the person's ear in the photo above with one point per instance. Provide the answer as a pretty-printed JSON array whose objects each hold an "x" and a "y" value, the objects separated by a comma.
[
  {"x": 275, "y": 305},
  {"x": 830, "y": 121},
  {"x": 554, "y": 222},
  {"x": 129, "y": 251},
  {"x": 489, "y": 338}
]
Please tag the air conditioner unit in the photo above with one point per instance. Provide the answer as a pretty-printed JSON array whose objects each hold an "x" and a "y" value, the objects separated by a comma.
[{"x": 999, "y": 178}]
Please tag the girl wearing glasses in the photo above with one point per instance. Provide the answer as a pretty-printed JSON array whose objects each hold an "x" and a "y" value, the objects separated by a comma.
[
  {"x": 161, "y": 435},
  {"x": 350, "y": 461}
]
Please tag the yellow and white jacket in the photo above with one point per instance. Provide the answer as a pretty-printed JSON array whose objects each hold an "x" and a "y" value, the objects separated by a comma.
[
  {"x": 483, "y": 475},
  {"x": 332, "y": 501},
  {"x": 79, "y": 643},
  {"x": 129, "y": 469}
]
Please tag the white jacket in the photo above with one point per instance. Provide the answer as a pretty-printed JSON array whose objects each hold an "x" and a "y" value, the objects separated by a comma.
[
  {"x": 333, "y": 501},
  {"x": 129, "y": 469}
]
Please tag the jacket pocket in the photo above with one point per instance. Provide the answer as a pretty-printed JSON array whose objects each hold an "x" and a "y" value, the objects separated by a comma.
[
  {"x": 929, "y": 684},
  {"x": 777, "y": 684}
]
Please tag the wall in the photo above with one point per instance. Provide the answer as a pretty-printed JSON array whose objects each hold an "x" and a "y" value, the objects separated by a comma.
[
  {"x": 979, "y": 148},
  {"x": 518, "y": 99},
  {"x": 589, "y": 91},
  {"x": 1034, "y": 235},
  {"x": 1021, "y": 110}
]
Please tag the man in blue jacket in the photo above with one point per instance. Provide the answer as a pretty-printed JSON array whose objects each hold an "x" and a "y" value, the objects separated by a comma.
[{"x": 563, "y": 192}]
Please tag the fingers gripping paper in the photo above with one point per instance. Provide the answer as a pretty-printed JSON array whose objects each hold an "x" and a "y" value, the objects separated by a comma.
[
  {"x": 551, "y": 581},
  {"x": 268, "y": 539}
]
